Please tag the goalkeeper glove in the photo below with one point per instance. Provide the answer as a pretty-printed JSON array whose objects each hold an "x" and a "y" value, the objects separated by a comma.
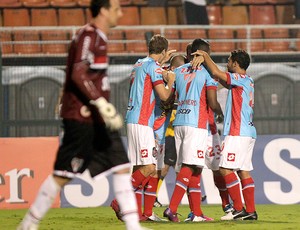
[{"x": 111, "y": 117}]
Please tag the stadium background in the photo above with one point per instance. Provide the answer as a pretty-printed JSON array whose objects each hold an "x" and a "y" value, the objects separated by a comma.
[{"x": 34, "y": 39}]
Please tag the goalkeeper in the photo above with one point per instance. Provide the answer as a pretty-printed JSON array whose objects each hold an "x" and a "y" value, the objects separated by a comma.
[{"x": 91, "y": 143}]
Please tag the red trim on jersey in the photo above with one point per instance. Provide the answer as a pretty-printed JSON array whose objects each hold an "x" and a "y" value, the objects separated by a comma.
[
  {"x": 188, "y": 86},
  {"x": 211, "y": 121},
  {"x": 237, "y": 101},
  {"x": 158, "y": 82},
  {"x": 228, "y": 79},
  {"x": 147, "y": 108},
  {"x": 101, "y": 59},
  {"x": 212, "y": 87},
  {"x": 203, "y": 114}
]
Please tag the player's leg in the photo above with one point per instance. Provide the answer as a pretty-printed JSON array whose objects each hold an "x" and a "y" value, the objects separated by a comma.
[
  {"x": 143, "y": 157},
  {"x": 113, "y": 158},
  {"x": 248, "y": 186},
  {"x": 77, "y": 140},
  {"x": 212, "y": 161},
  {"x": 232, "y": 158}
]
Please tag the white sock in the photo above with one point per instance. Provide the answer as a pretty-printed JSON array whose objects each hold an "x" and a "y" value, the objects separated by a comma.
[
  {"x": 43, "y": 201},
  {"x": 126, "y": 199}
]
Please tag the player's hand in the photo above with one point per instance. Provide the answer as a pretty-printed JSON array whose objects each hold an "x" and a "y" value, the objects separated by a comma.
[
  {"x": 168, "y": 76},
  {"x": 198, "y": 59},
  {"x": 167, "y": 56},
  {"x": 112, "y": 119}
]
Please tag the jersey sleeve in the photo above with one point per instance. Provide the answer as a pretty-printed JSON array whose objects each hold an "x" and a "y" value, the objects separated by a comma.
[
  {"x": 211, "y": 83},
  {"x": 155, "y": 72},
  {"x": 235, "y": 79},
  {"x": 91, "y": 61}
]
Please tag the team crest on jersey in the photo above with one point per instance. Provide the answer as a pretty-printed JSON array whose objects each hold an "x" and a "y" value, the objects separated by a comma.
[
  {"x": 200, "y": 154},
  {"x": 144, "y": 153},
  {"x": 231, "y": 157}
]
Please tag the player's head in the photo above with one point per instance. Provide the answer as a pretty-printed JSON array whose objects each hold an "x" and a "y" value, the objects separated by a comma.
[
  {"x": 189, "y": 57},
  {"x": 238, "y": 58},
  {"x": 109, "y": 9},
  {"x": 158, "y": 45},
  {"x": 176, "y": 61},
  {"x": 200, "y": 44}
]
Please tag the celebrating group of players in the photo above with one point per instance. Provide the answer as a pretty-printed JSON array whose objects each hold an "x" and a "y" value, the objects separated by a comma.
[{"x": 194, "y": 86}]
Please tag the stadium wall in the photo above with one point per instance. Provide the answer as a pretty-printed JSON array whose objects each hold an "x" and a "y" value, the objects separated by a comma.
[{"x": 26, "y": 162}]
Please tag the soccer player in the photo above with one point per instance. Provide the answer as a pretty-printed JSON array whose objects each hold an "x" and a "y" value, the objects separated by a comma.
[
  {"x": 147, "y": 83},
  {"x": 194, "y": 87},
  {"x": 164, "y": 135},
  {"x": 91, "y": 143},
  {"x": 239, "y": 132}
]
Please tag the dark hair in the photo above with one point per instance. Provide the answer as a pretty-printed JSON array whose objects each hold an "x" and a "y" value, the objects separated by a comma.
[
  {"x": 200, "y": 44},
  {"x": 96, "y": 6},
  {"x": 158, "y": 44},
  {"x": 241, "y": 57}
]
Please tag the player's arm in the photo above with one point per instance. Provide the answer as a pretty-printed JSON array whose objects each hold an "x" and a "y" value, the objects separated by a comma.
[
  {"x": 165, "y": 93},
  {"x": 82, "y": 74},
  {"x": 213, "y": 102},
  {"x": 212, "y": 66}
]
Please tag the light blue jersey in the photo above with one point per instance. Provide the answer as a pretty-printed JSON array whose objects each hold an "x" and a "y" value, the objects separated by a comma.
[
  {"x": 191, "y": 87},
  {"x": 146, "y": 74},
  {"x": 239, "y": 106}
]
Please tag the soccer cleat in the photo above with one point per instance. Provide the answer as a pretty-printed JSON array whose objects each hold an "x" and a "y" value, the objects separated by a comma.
[
  {"x": 203, "y": 198},
  {"x": 157, "y": 204},
  {"x": 171, "y": 216},
  {"x": 115, "y": 206},
  {"x": 235, "y": 215},
  {"x": 251, "y": 216},
  {"x": 153, "y": 217},
  {"x": 228, "y": 208},
  {"x": 192, "y": 218}
]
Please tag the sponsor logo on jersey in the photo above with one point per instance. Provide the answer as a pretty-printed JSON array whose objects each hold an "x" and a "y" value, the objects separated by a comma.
[{"x": 184, "y": 111}]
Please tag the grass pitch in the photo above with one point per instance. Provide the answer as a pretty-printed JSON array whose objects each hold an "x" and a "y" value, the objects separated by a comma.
[{"x": 272, "y": 217}]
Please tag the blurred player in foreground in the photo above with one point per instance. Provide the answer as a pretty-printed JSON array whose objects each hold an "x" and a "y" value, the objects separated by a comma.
[
  {"x": 239, "y": 132},
  {"x": 91, "y": 143}
]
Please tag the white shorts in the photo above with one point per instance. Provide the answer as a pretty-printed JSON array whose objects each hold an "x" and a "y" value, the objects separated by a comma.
[
  {"x": 141, "y": 145},
  {"x": 191, "y": 144},
  {"x": 213, "y": 152},
  {"x": 237, "y": 153}
]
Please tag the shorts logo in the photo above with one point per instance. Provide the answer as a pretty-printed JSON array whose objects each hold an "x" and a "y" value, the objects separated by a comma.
[
  {"x": 231, "y": 157},
  {"x": 200, "y": 154},
  {"x": 76, "y": 164},
  {"x": 154, "y": 152},
  {"x": 144, "y": 153}
]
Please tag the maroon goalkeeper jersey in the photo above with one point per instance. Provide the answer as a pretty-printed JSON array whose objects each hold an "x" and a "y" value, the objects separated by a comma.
[{"x": 86, "y": 75}]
